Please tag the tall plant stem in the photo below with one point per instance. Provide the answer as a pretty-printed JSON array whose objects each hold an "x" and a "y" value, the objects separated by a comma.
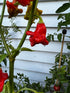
[
  {"x": 11, "y": 74},
  {"x": 11, "y": 67},
  {"x": 34, "y": 6},
  {"x": 2, "y": 14},
  {"x": 7, "y": 49}
]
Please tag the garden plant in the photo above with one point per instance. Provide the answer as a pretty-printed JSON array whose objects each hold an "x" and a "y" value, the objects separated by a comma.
[
  {"x": 36, "y": 37},
  {"x": 39, "y": 36}
]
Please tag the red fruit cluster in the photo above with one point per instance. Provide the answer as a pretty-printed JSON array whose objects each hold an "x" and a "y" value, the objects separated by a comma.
[
  {"x": 39, "y": 36},
  {"x": 24, "y": 2},
  {"x": 3, "y": 77},
  {"x": 13, "y": 9},
  {"x": 56, "y": 88}
]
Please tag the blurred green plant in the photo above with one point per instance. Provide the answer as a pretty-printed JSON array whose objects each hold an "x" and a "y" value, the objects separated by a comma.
[
  {"x": 60, "y": 73},
  {"x": 65, "y": 17}
]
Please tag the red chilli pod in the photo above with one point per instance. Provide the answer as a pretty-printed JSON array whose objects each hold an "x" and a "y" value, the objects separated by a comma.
[
  {"x": 13, "y": 9},
  {"x": 56, "y": 88},
  {"x": 39, "y": 36},
  {"x": 24, "y": 2},
  {"x": 3, "y": 77}
]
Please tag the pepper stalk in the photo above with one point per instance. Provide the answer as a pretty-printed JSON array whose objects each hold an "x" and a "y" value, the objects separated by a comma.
[
  {"x": 12, "y": 58},
  {"x": 63, "y": 32}
]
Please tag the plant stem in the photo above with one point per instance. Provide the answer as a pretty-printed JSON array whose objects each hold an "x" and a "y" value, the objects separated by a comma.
[
  {"x": 11, "y": 74},
  {"x": 34, "y": 6},
  {"x": 2, "y": 35},
  {"x": 11, "y": 64},
  {"x": 7, "y": 49},
  {"x": 2, "y": 14},
  {"x": 32, "y": 90}
]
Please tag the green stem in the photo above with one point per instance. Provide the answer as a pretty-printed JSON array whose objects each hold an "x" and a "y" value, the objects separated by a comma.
[
  {"x": 11, "y": 68},
  {"x": 2, "y": 14},
  {"x": 27, "y": 89},
  {"x": 29, "y": 24},
  {"x": 11, "y": 73},
  {"x": 40, "y": 19},
  {"x": 2, "y": 35}
]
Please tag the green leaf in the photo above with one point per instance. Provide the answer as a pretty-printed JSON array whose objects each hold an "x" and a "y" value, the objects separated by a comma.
[
  {"x": 59, "y": 25},
  {"x": 59, "y": 36},
  {"x": 2, "y": 57},
  {"x": 63, "y": 8},
  {"x": 26, "y": 49},
  {"x": 49, "y": 37},
  {"x": 6, "y": 88},
  {"x": 65, "y": 23},
  {"x": 68, "y": 47},
  {"x": 3, "y": 89},
  {"x": 63, "y": 67},
  {"x": 61, "y": 16},
  {"x": 67, "y": 16},
  {"x": 11, "y": 47},
  {"x": 52, "y": 37},
  {"x": 65, "y": 81},
  {"x": 5, "y": 62}
]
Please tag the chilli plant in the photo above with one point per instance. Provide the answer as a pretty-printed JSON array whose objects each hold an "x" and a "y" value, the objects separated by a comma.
[
  {"x": 39, "y": 36},
  {"x": 61, "y": 70}
]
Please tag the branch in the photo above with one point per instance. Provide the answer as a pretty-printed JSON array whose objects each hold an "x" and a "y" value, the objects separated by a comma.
[{"x": 2, "y": 35}]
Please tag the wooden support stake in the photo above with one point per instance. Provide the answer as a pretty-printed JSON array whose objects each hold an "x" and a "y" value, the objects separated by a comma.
[
  {"x": 64, "y": 32},
  {"x": 61, "y": 51}
]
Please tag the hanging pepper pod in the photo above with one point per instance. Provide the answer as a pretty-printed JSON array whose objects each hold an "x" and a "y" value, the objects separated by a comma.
[
  {"x": 56, "y": 87},
  {"x": 13, "y": 9},
  {"x": 24, "y": 2},
  {"x": 37, "y": 12},
  {"x": 39, "y": 36},
  {"x": 3, "y": 77}
]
